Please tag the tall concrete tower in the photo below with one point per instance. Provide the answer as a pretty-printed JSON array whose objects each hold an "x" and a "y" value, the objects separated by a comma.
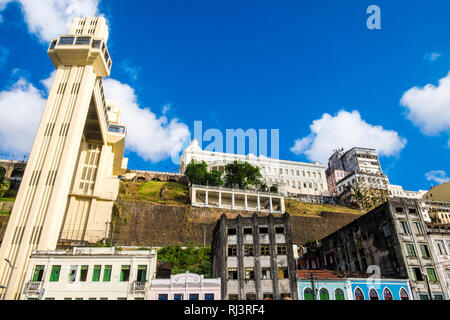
[{"x": 71, "y": 178}]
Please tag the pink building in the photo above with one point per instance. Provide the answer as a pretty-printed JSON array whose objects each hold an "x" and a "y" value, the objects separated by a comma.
[
  {"x": 186, "y": 286},
  {"x": 333, "y": 178}
]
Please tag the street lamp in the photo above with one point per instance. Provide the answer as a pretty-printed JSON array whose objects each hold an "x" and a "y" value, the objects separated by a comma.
[
  {"x": 10, "y": 276},
  {"x": 428, "y": 286}
]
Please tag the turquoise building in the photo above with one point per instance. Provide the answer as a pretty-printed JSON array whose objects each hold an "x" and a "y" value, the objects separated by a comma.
[{"x": 333, "y": 285}]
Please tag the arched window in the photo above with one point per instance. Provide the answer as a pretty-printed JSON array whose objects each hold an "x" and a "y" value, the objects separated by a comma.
[
  {"x": 373, "y": 294},
  {"x": 339, "y": 294},
  {"x": 359, "y": 295},
  {"x": 308, "y": 294},
  {"x": 403, "y": 294},
  {"x": 324, "y": 295},
  {"x": 387, "y": 294}
]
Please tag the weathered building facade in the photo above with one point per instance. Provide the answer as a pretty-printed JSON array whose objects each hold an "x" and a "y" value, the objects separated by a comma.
[
  {"x": 391, "y": 239},
  {"x": 254, "y": 257}
]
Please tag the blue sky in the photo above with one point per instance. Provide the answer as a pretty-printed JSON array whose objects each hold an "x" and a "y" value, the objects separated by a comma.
[{"x": 253, "y": 64}]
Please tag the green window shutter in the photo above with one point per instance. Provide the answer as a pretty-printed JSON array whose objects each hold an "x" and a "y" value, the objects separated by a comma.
[
  {"x": 124, "y": 273},
  {"x": 54, "y": 275},
  {"x": 339, "y": 294},
  {"x": 37, "y": 272},
  {"x": 324, "y": 294},
  {"x": 107, "y": 273},
  {"x": 308, "y": 294},
  {"x": 431, "y": 275},
  {"x": 142, "y": 273},
  {"x": 96, "y": 273}
]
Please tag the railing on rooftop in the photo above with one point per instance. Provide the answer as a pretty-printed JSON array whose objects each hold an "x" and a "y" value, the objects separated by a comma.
[
  {"x": 237, "y": 190},
  {"x": 116, "y": 128},
  {"x": 33, "y": 286},
  {"x": 139, "y": 285}
]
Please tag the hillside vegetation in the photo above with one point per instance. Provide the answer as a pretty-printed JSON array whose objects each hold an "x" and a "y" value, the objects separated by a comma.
[
  {"x": 157, "y": 192},
  {"x": 297, "y": 208},
  {"x": 177, "y": 194}
]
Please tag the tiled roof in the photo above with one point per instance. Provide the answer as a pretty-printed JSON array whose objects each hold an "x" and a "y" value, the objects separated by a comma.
[{"x": 334, "y": 275}]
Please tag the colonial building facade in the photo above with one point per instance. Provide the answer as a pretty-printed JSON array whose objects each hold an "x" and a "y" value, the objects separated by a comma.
[
  {"x": 90, "y": 274},
  {"x": 186, "y": 286},
  {"x": 391, "y": 237},
  {"x": 289, "y": 176},
  {"x": 332, "y": 285},
  {"x": 254, "y": 258}
]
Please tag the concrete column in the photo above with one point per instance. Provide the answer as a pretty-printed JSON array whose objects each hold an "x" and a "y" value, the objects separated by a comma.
[
  {"x": 232, "y": 201},
  {"x": 206, "y": 198},
  {"x": 271, "y": 207},
  {"x": 220, "y": 199},
  {"x": 245, "y": 205},
  {"x": 259, "y": 203}
]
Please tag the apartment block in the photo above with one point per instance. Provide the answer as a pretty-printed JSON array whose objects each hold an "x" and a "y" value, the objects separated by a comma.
[
  {"x": 254, "y": 258},
  {"x": 391, "y": 239}
]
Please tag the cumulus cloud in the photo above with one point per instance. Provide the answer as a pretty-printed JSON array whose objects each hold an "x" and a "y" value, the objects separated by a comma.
[
  {"x": 439, "y": 176},
  {"x": 49, "y": 18},
  {"x": 47, "y": 83},
  {"x": 152, "y": 138},
  {"x": 429, "y": 107},
  {"x": 346, "y": 130},
  {"x": 4, "y": 53},
  {"x": 432, "y": 56},
  {"x": 22, "y": 105}
]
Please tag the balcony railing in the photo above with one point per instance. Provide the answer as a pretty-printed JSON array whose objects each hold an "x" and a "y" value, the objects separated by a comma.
[
  {"x": 139, "y": 285},
  {"x": 33, "y": 286},
  {"x": 116, "y": 128}
]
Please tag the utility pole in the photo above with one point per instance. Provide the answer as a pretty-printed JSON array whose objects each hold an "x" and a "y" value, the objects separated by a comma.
[
  {"x": 311, "y": 278},
  {"x": 9, "y": 280},
  {"x": 428, "y": 287}
]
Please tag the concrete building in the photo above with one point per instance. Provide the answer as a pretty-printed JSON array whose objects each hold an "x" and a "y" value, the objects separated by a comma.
[
  {"x": 186, "y": 286},
  {"x": 333, "y": 285},
  {"x": 391, "y": 237},
  {"x": 291, "y": 178},
  {"x": 355, "y": 166},
  {"x": 71, "y": 178},
  {"x": 438, "y": 193},
  {"x": 440, "y": 246},
  {"x": 13, "y": 171},
  {"x": 254, "y": 258},
  {"x": 90, "y": 274},
  {"x": 435, "y": 212},
  {"x": 398, "y": 191},
  {"x": 236, "y": 199}
]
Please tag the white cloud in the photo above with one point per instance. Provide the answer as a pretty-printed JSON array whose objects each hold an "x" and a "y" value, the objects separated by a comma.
[
  {"x": 166, "y": 108},
  {"x": 47, "y": 83},
  {"x": 4, "y": 53},
  {"x": 21, "y": 107},
  {"x": 49, "y": 18},
  {"x": 152, "y": 138},
  {"x": 432, "y": 56},
  {"x": 346, "y": 130},
  {"x": 439, "y": 176},
  {"x": 429, "y": 107},
  {"x": 130, "y": 70}
]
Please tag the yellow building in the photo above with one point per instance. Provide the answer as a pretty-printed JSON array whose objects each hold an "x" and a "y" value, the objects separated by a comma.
[
  {"x": 439, "y": 193},
  {"x": 71, "y": 178}
]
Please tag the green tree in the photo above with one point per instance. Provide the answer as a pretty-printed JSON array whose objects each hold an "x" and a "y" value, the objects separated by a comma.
[
  {"x": 192, "y": 259},
  {"x": 274, "y": 189},
  {"x": 367, "y": 198},
  {"x": 242, "y": 175},
  {"x": 197, "y": 172},
  {"x": 4, "y": 182},
  {"x": 214, "y": 178}
]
